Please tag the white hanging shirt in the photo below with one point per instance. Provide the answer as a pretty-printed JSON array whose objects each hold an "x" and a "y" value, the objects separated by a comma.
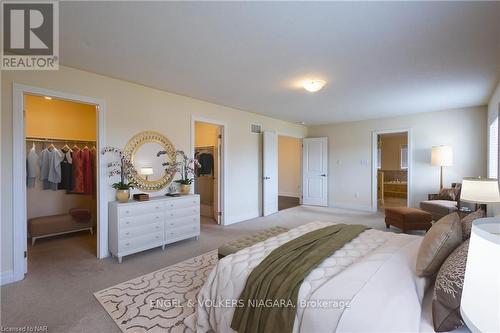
[{"x": 31, "y": 166}]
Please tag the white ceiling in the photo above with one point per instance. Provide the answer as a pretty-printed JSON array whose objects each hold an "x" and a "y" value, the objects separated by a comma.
[{"x": 379, "y": 59}]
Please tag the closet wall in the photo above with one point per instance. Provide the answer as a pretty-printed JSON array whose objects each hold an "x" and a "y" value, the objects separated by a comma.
[
  {"x": 206, "y": 141},
  {"x": 57, "y": 119}
]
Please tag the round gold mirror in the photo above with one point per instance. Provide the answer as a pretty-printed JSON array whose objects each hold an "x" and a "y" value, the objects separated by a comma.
[{"x": 142, "y": 149}]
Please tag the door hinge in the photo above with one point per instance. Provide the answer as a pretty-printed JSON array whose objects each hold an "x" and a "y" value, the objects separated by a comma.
[
  {"x": 220, "y": 136},
  {"x": 219, "y": 213},
  {"x": 25, "y": 254}
]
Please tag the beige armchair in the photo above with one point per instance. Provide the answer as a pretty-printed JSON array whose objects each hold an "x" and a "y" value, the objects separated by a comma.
[{"x": 439, "y": 207}]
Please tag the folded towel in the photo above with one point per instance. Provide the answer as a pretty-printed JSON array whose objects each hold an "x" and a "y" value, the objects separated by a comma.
[{"x": 80, "y": 214}]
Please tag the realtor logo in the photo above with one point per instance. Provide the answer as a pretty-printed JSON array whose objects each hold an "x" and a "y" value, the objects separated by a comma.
[{"x": 30, "y": 35}]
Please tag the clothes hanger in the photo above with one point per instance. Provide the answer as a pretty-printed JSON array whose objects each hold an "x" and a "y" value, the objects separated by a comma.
[{"x": 51, "y": 147}]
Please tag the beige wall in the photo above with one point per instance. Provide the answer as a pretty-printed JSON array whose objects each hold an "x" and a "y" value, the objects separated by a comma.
[
  {"x": 289, "y": 166},
  {"x": 206, "y": 134},
  {"x": 391, "y": 150},
  {"x": 350, "y": 151},
  {"x": 59, "y": 119},
  {"x": 133, "y": 108}
]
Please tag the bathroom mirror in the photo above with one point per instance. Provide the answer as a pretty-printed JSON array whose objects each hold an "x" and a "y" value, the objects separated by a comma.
[{"x": 142, "y": 149}]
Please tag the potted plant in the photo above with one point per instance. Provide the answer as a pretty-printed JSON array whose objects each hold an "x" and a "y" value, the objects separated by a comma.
[
  {"x": 125, "y": 169},
  {"x": 185, "y": 166}
]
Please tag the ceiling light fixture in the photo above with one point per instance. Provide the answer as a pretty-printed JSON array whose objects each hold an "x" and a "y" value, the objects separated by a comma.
[
  {"x": 314, "y": 85},
  {"x": 47, "y": 97}
]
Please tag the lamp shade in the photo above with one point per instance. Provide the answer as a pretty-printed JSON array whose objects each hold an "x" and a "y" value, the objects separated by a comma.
[
  {"x": 146, "y": 171},
  {"x": 480, "y": 190},
  {"x": 480, "y": 304},
  {"x": 442, "y": 156}
]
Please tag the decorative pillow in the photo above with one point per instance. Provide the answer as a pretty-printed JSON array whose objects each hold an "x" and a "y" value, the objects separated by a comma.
[
  {"x": 458, "y": 192},
  {"x": 447, "y": 194},
  {"x": 466, "y": 222},
  {"x": 442, "y": 238},
  {"x": 448, "y": 291}
]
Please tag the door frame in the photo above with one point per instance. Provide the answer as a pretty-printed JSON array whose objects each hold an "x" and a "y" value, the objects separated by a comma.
[
  {"x": 223, "y": 159},
  {"x": 301, "y": 176},
  {"x": 19, "y": 214},
  {"x": 409, "y": 185}
]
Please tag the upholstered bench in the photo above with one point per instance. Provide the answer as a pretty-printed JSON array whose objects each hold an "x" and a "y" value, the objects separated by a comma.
[
  {"x": 239, "y": 244},
  {"x": 47, "y": 226},
  {"x": 408, "y": 218}
]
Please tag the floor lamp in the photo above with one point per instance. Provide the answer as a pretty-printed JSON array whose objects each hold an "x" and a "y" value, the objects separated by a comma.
[{"x": 442, "y": 156}]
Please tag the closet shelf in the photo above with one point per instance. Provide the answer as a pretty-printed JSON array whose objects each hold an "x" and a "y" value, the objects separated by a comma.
[{"x": 40, "y": 139}]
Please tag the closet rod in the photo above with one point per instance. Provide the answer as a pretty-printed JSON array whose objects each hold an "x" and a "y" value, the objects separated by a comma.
[
  {"x": 204, "y": 147},
  {"x": 38, "y": 139}
]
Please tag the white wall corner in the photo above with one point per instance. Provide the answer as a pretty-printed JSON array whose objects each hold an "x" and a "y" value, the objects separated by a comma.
[
  {"x": 6, "y": 277},
  {"x": 242, "y": 218}
]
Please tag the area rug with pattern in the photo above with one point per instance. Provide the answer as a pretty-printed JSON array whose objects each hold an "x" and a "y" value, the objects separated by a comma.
[{"x": 161, "y": 300}]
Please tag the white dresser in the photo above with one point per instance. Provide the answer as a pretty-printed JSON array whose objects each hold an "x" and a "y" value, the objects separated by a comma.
[{"x": 136, "y": 226}]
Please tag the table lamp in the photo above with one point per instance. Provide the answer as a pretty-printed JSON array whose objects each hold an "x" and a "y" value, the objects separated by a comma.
[
  {"x": 480, "y": 191},
  {"x": 147, "y": 171},
  {"x": 480, "y": 303},
  {"x": 442, "y": 156}
]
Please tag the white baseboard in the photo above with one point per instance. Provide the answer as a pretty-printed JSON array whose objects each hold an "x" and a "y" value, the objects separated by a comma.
[
  {"x": 361, "y": 208},
  {"x": 6, "y": 277},
  {"x": 289, "y": 194},
  {"x": 241, "y": 218}
]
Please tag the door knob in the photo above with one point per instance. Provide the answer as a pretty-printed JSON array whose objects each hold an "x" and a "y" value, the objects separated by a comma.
[
  {"x": 323, "y": 175},
  {"x": 266, "y": 178}
]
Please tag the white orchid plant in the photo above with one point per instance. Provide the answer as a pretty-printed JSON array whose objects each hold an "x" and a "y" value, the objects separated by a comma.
[
  {"x": 123, "y": 167},
  {"x": 183, "y": 164}
]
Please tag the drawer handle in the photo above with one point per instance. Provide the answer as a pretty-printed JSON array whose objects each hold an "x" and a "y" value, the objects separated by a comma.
[
  {"x": 127, "y": 244},
  {"x": 128, "y": 212},
  {"x": 157, "y": 236},
  {"x": 157, "y": 207},
  {"x": 157, "y": 217},
  {"x": 128, "y": 222},
  {"x": 127, "y": 233},
  {"x": 171, "y": 224},
  {"x": 171, "y": 214},
  {"x": 171, "y": 205},
  {"x": 157, "y": 227}
]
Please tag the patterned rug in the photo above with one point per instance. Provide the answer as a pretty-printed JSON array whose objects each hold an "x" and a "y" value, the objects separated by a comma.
[{"x": 158, "y": 301}]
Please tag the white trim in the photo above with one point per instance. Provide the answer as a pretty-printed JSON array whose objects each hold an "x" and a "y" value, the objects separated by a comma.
[
  {"x": 289, "y": 194},
  {"x": 351, "y": 207},
  {"x": 6, "y": 277},
  {"x": 224, "y": 159},
  {"x": 19, "y": 174},
  {"x": 375, "y": 134}
]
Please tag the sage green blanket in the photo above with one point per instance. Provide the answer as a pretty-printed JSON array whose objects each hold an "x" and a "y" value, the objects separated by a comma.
[{"x": 269, "y": 299}]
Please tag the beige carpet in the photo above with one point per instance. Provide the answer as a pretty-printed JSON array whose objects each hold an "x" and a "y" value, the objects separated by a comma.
[{"x": 158, "y": 301}]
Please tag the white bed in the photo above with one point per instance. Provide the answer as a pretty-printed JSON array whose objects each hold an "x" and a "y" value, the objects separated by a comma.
[{"x": 376, "y": 271}]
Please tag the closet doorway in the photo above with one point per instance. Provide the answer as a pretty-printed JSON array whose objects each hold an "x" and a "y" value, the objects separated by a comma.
[
  {"x": 289, "y": 172},
  {"x": 208, "y": 183},
  {"x": 61, "y": 159},
  {"x": 58, "y": 192}
]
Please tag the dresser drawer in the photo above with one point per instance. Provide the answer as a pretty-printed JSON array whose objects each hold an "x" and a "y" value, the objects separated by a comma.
[
  {"x": 182, "y": 231},
  {"x": 137, "y": 221},
  {"x": 182, "y": 203},
  {"x": 139, "y": 242},
  {"x": 182, "y": 212},
  {"x": 182, "y": 221},
  {"x": 141, "y": 230},
  {"x": 140, "y": 209}
]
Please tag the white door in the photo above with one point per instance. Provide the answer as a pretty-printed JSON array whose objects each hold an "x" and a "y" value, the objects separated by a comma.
[
  {"x": 270, "y": 173},
  {"x": 315, "y": 171}
]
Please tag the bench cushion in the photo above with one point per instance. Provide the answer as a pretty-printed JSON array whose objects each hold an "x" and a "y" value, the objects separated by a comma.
[
  {"x": 47, "y": 225},
  {"x": 235, "y": 246}
]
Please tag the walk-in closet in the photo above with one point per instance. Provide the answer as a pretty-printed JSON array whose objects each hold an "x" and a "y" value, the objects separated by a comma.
[
  {"x": 206, "y": 184},
  {"x": 61, "y": 178}
]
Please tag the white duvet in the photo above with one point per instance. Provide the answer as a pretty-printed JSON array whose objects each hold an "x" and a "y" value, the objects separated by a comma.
[{"x": 373, "y": 275}]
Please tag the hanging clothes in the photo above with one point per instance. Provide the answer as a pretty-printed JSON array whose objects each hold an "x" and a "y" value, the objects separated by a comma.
[
  {"x": 55, "y": 159},
  {"x": 77, "y": 171},
  {"x": 31, "y": 167},
  {"x": 66, "y": 172},
  {"x": 87, "y": 171},
  {"x": 207, "y": 163}
]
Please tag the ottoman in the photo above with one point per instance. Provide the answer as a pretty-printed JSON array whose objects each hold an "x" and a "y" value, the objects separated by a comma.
[
  {"x": 235, "y": 246},
  {"x": 408, "y": 218}
]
